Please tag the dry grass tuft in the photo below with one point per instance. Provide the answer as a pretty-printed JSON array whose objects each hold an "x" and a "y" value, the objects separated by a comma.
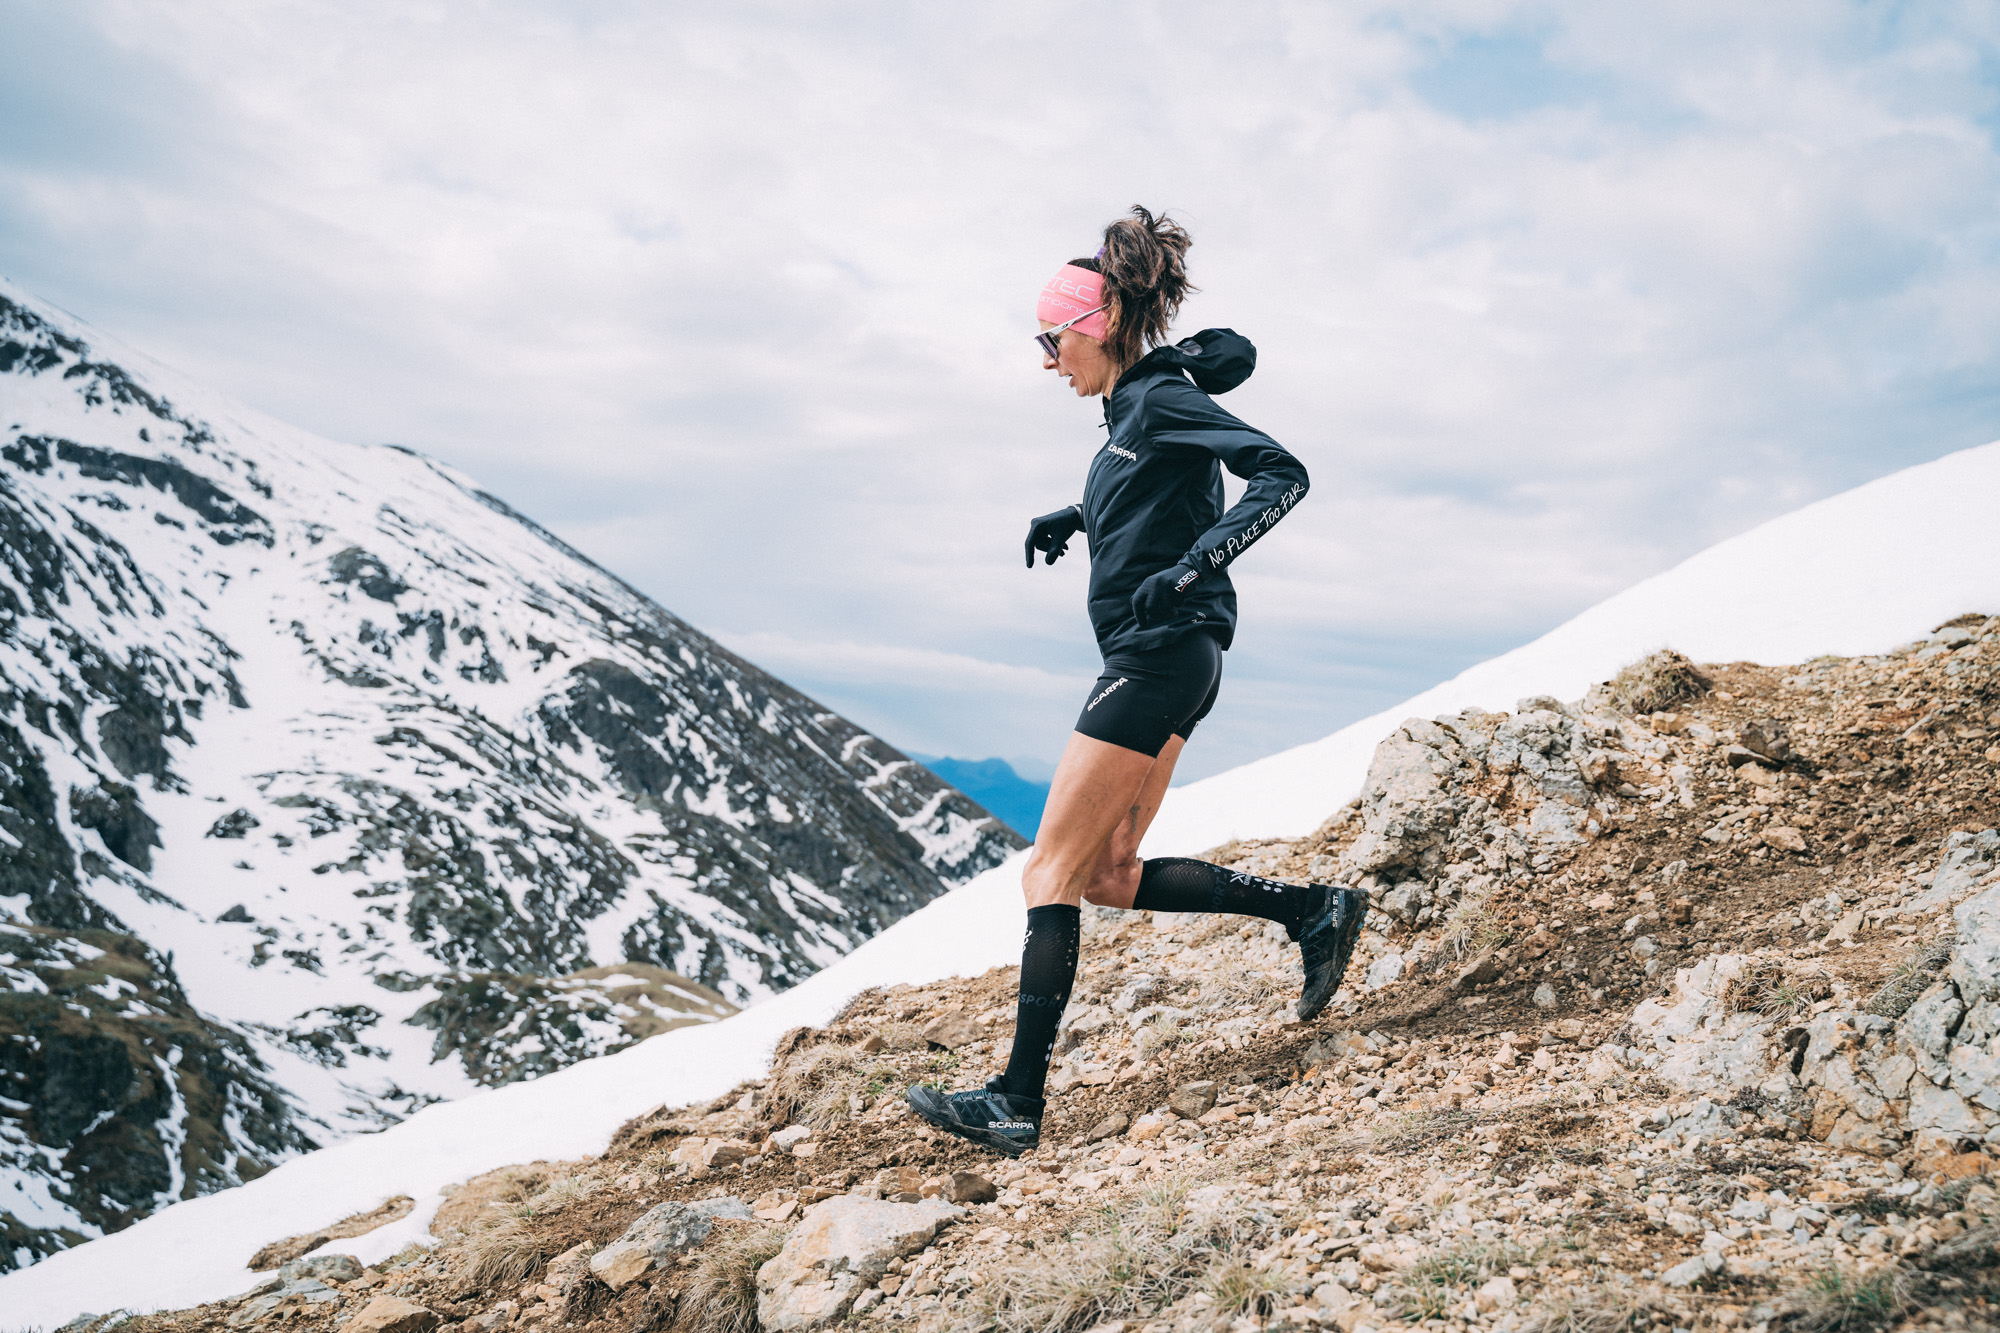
[
  {"x": 1132, "y": 1259},
  {"x": 413, "y": 1253},
  {"x": 1238, "y": 1288},
  {"x": 1656, "y": 682},
  {"x": 1839, "y": 1300},
  {"x": 1240, "y": 991},
  {"x": 1412, "y": 1130},
  {"x": 558, "y": 1193},
  {"x": 505, "y": 1254},
  {"x": 1779, "y": 988},
  {"x": 1439, "y": 1284},
  {"x": 1472, "y": 928},
  {"x": 1605, "y": 1310},
  {"x": 1161, "y": 1032},
  {"x": 721, "y": 1297},
  {"x": 902, "y": 1036},
  {"x": 820, "y": 1086},
  {"x": 1912, "y": 977}
]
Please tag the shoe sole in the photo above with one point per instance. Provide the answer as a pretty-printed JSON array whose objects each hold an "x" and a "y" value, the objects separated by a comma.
[
  {"x": 999, "y": 1143},
  {"x": 1346, "y": 933}
]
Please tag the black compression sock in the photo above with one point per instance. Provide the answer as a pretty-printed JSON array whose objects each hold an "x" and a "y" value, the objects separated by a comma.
[
  {"x": 1182, "y": 884},
  {"x": 1048, "y": 970}
]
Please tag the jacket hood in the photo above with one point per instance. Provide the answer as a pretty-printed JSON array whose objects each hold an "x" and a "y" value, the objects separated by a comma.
[{"x": 1217, "y": 360}]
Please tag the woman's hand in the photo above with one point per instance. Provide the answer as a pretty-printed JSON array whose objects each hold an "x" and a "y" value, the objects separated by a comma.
[
  {"x": 1051, "y": 533},
  {"x": 1158, "y": 598}
]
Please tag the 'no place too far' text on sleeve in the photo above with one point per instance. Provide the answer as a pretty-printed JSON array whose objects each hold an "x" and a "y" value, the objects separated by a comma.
[{"x": 1179, "y": 413}]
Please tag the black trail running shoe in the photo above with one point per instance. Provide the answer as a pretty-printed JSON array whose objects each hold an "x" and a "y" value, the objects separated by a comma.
[
  {"x": 1327, "y": 941},
  {"x": 1007, "y": 1124}
]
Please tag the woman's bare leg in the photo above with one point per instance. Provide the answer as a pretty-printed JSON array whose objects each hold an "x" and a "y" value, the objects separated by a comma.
[
  {"x": 1115, "y": 878},
  {"x": 1097, "y": 785}
]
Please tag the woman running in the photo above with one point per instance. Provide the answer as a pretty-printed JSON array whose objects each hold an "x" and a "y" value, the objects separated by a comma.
[{"x": 1164, "y": 611}]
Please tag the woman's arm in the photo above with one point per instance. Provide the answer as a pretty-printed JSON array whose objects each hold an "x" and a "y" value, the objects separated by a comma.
[{"x": 1179, "y": 413}]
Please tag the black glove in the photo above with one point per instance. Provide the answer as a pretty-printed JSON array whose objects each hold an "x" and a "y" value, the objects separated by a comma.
[
  {"x": 1051, "y": 533},
  {"x": 1158, "y": 598}
]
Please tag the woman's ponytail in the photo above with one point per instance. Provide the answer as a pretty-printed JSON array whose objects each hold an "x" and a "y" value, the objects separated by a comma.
[{"x": 1144, "y": 263}]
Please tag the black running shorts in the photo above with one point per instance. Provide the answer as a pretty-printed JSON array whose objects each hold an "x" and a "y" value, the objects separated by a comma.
[{"x": 1143, "y": 698}]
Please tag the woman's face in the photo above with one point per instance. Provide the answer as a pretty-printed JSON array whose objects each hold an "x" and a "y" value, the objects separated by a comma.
[{"x": 1082, "y": 362}]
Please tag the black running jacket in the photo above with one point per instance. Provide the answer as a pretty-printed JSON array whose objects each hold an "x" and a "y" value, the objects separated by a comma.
[{"x": 1154, "y": 495}]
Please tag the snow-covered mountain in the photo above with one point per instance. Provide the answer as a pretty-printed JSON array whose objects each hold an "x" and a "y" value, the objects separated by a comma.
[
  {"x": 1861, "y": 572},
  {"x": 317, "y": 762}
]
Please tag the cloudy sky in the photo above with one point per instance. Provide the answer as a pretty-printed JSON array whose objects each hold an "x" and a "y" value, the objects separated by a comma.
[{"x": 737, "y": 298}]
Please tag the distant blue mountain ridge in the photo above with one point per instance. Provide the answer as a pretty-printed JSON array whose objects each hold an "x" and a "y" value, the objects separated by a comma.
[{"x": 1012, "y": 799}]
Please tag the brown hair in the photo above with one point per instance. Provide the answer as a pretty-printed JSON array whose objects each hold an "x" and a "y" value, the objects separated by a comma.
[{"x": 1144, "y": 263}]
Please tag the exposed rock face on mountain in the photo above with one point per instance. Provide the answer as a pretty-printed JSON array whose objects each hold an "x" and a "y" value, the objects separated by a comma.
[
  {"x": 349, "y": 743},
  {"x": 123, "y": 1088}
]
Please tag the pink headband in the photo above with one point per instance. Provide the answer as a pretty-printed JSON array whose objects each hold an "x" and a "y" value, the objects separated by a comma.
[{"x": 1069, "y": 293}]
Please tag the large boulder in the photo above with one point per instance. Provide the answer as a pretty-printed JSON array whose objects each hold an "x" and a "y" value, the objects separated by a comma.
[
  {"x": 840, "y": 1248},
  {"x": 1410, "y": 801},
  {"x": 1492, "y": 793}
]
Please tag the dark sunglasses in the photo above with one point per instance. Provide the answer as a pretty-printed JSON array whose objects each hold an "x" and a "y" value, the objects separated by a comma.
[{"x": 1050, "y": 338}]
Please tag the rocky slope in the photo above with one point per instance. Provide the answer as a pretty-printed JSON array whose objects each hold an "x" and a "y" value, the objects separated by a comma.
[
  {"x": 1677, "y": 1013},
  {"x": 330, "y": 785}
]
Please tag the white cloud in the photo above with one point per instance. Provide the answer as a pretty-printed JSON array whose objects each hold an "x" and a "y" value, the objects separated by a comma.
[{"x": 737, "y": 298}]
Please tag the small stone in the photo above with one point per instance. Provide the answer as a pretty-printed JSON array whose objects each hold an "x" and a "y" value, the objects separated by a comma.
[
  {"x": 391, "y": 1314},
  {"x": 1692, "y": 1271},
  {"x": 1115, "y": 1123},
  {"x": 899, "y": 1180},
  {"x": 1481, "y": 968},
  {"x": 1545, "y": 996},
  {"x": 1566, "y": 1029},
  {"x": 1784, "y": 839},
  {"x": 969, "y": 1187},
  {"x": 620, "y": 1264},
  {"x": 567, "y": 1269},
  {"x": 1770, "y": 739},
  {"x": 952, "y": 1029},
  {"x": 721, "y": 1152},
  {"x": 1191, "y": 1101},
  {"x": 790, "y": 1137},
  {"x": 1497, "y": 1294},
  {"x": 1738, "y": 756},
  {"x": 1383, "y": 971},
  {"x": 324, "y": 1267}
]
